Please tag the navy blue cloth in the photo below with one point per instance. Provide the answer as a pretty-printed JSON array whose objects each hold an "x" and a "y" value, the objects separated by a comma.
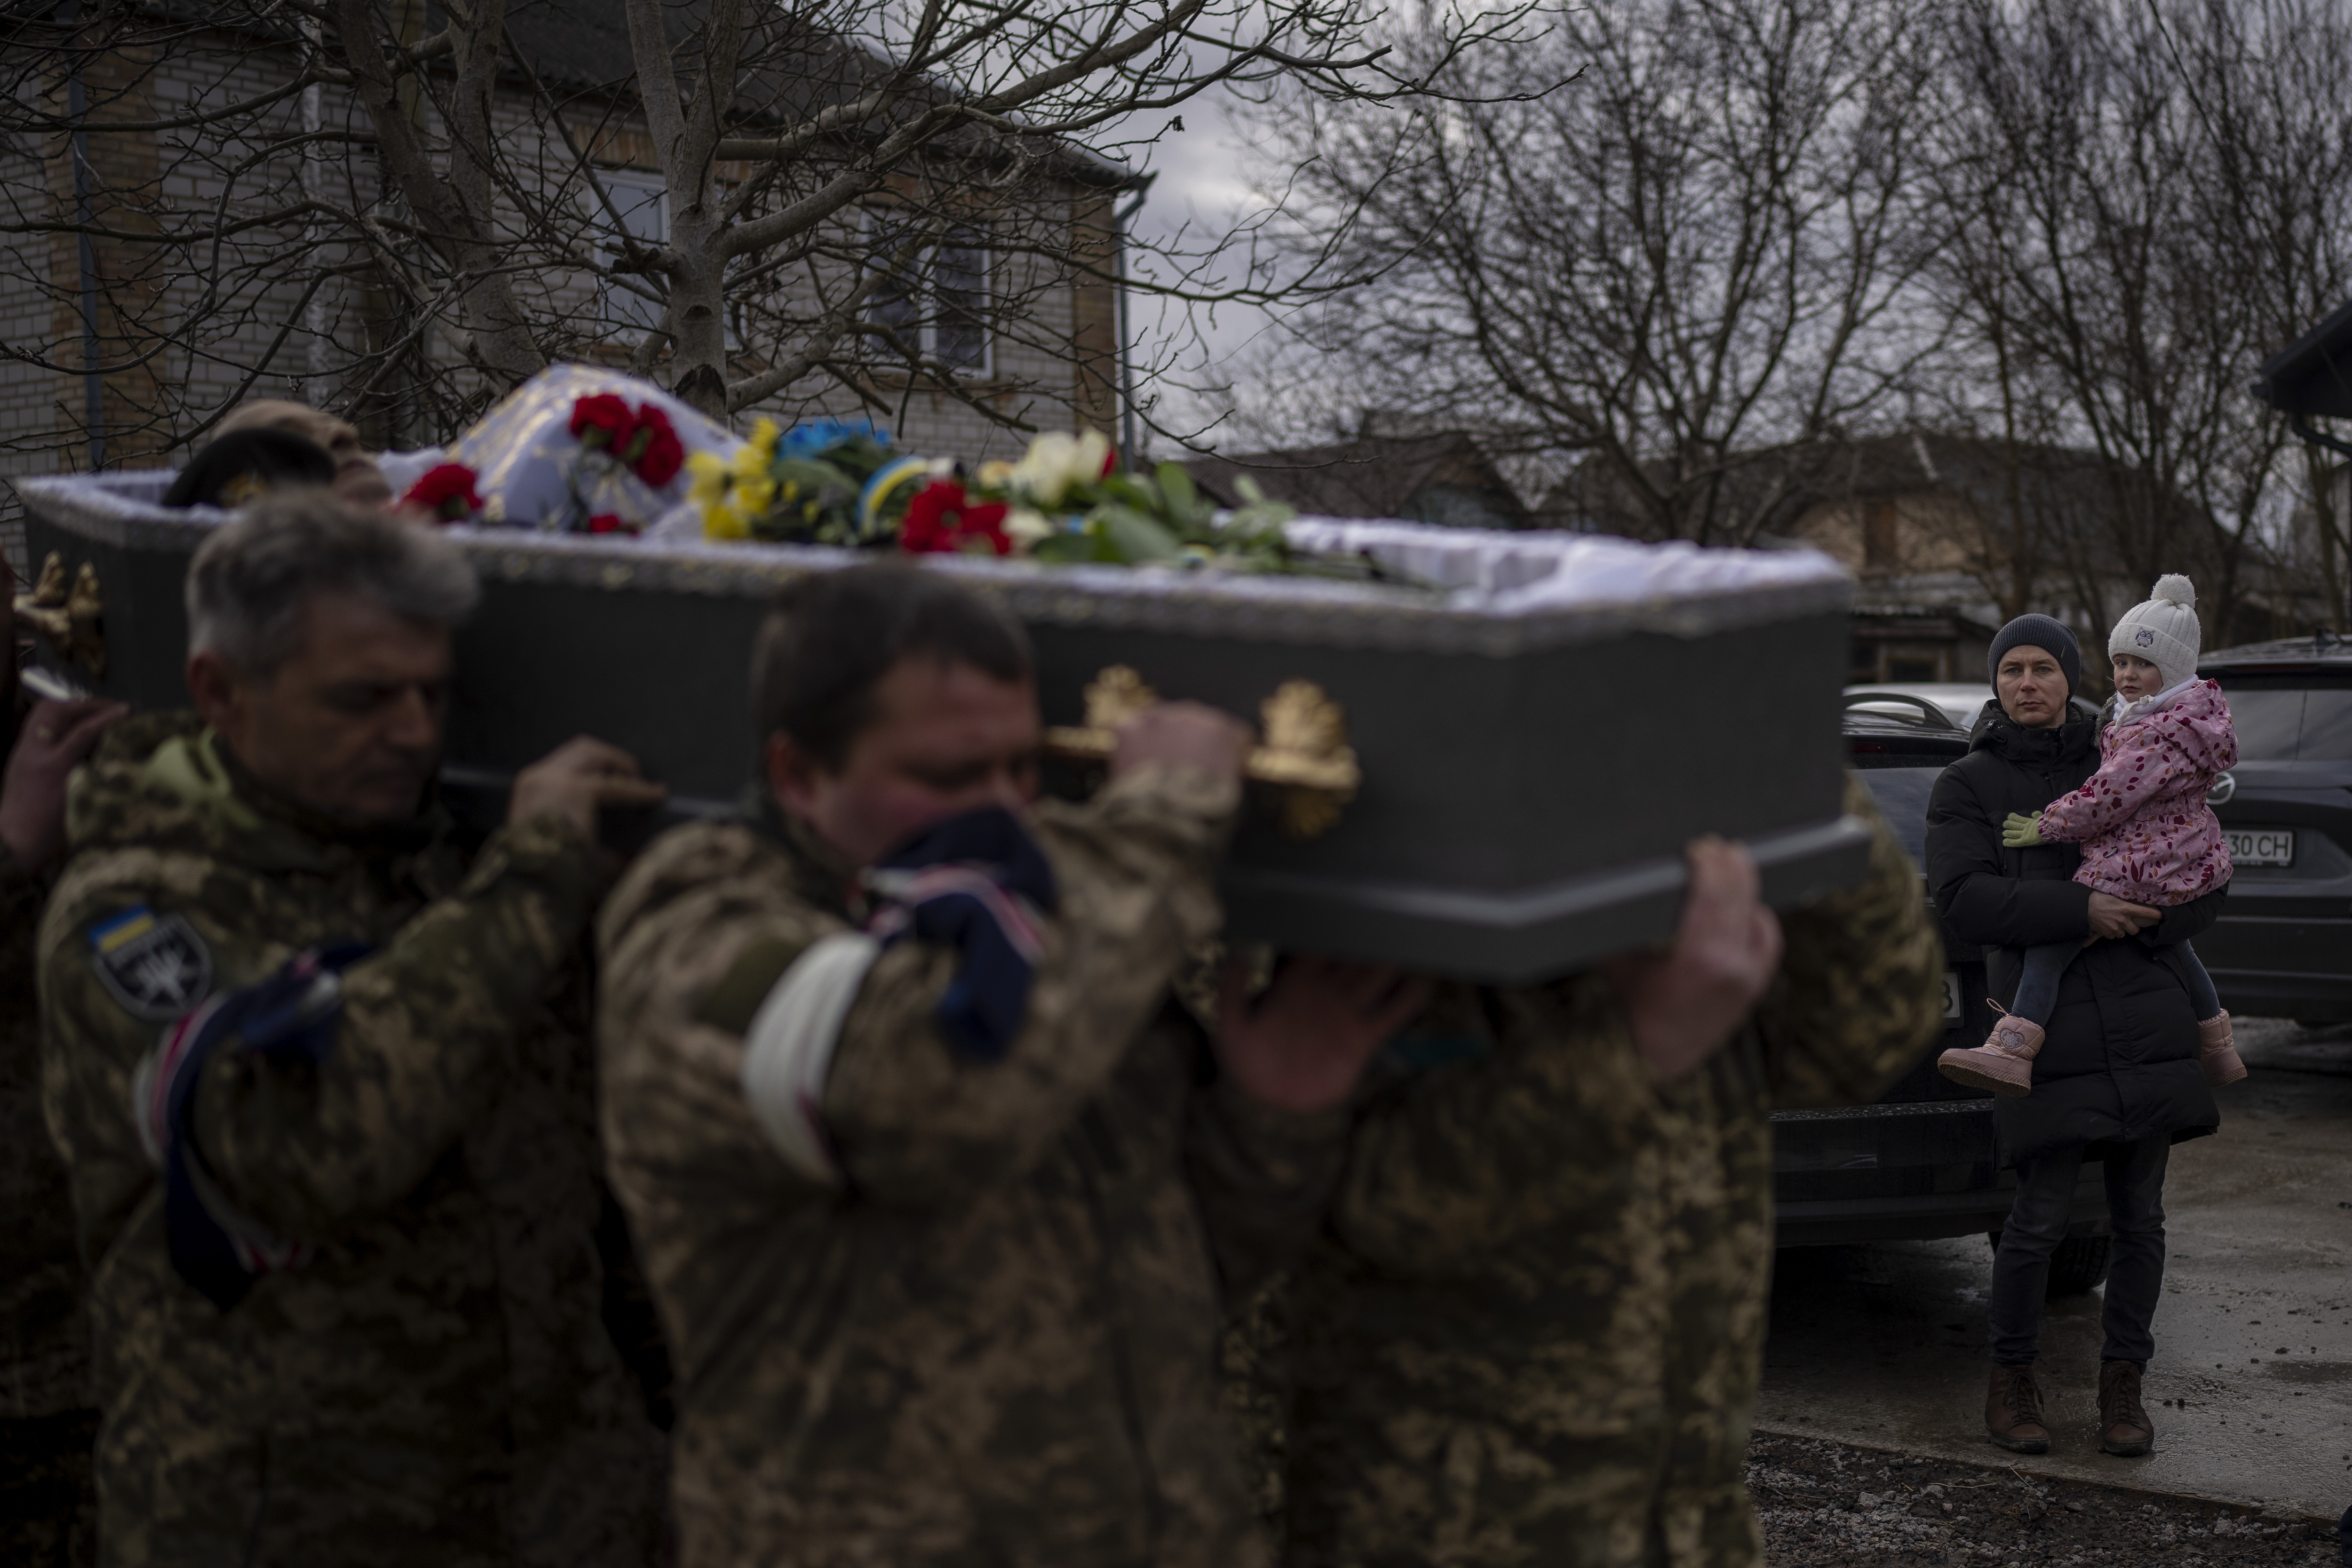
[
  {"x": 2037, "y": 631},
  {"x": 292, "y": 1014},
  {"x": 2045, "y": 967},
  {"x": 975, "y": 883}
]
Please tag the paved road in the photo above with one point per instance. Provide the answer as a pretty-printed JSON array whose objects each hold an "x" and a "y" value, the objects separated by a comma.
[{"x": 2252, "y": 1388}]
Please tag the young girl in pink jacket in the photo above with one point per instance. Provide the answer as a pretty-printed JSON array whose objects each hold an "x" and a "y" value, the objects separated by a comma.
[{"x": 2146, "y": 834}]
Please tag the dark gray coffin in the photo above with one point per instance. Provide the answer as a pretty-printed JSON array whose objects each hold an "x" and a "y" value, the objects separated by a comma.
[{"x": 1528, "y": 778}]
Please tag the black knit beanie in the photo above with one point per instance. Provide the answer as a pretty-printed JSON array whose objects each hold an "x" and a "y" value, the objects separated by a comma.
[{"x": 2038, "y": 631}]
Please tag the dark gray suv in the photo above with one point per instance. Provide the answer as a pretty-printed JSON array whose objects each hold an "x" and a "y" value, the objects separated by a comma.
[{"x": 2283, "y": 947}]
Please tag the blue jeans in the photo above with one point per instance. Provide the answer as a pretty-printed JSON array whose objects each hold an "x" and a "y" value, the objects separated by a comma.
[
  {"x": 2037, "y": 987},
  {"x": 2037, "y": 1224}
]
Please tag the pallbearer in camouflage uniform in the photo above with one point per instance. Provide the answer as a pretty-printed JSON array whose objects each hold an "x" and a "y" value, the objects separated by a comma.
[
  {"x": 45, "y": 1415},
  {"x": 934, "y": 1187},
  {"x": 330, "y": 1128},
  {"x": 1533, "y": 1329}
]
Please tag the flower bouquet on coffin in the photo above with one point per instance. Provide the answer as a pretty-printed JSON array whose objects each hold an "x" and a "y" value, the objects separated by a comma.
[
  {"x": 828, "y": 481},
  {"x": 627, "y": 455},
  {"x": 1067, "y": 500},
  {"x": 577, "y": 449}
]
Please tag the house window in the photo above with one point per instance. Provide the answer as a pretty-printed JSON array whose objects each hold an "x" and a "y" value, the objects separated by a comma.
[
  {"x": 936, "y": 301},
  {"x": 642, "y": 204}
]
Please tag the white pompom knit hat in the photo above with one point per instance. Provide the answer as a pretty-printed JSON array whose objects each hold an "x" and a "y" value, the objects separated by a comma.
[{"x": 2163, "y": 630}]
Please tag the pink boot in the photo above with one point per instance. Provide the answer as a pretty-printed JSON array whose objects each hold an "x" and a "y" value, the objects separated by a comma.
[
  {"x": 2217, "y": 1052},
  {"x": 2003, "y": 1064}
]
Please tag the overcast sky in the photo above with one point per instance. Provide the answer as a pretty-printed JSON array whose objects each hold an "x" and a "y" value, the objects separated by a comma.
[{"x": 1202, "y": 191}]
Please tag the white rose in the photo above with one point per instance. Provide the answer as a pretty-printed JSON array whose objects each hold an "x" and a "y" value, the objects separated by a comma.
[
  {"x": 1025, "y": 526},
  {"x": 1057, "y": 463}
]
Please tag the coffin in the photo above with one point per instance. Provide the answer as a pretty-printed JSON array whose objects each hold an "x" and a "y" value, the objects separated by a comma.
[{"x": 1526, "y": 744}]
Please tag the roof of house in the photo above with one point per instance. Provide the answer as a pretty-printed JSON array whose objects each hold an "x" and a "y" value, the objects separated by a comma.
[
  {"x": 583, "y": 45},
  {"x": 1445, "y": 477},
  {"x": 2312, "y": 374},
  {"x": 1773, "y": 487}
]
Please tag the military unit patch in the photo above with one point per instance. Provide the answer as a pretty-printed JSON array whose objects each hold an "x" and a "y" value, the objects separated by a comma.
[{"x": 155, "y": 967}]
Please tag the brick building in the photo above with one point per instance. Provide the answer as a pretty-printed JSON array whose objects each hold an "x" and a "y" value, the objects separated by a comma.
[{"x": 125, "y": 343}]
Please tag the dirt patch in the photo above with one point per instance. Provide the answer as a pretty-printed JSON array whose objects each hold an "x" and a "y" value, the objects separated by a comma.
[{"x": 1825, "y": 1505}]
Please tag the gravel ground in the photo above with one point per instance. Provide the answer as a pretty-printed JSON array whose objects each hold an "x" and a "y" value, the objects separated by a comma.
[{"x": 1825, "y": 1505}]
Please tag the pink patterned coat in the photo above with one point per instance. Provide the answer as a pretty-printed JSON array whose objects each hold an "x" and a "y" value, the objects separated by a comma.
[{"x": 2146, "y": 831}]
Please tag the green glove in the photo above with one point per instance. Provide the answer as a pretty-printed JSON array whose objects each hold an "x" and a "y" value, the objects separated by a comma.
[{"x": 2021, "y": 831}]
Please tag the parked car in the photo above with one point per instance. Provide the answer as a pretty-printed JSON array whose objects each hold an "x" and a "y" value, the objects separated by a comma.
[
  {"x": 2283, "y": 947},
  {"x": 1959, "y": 702},
  {"x": 1919, "y": 1162}
]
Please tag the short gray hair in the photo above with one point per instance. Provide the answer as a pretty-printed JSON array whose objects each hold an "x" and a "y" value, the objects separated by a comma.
[{"x": 247, "y": 581}]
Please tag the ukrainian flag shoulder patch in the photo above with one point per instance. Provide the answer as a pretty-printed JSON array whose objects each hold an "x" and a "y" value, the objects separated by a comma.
[{"x": 154, "y": 966}]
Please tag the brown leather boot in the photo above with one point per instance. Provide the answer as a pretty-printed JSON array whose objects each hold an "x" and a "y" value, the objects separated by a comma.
[
  {"x": 2124, "y": 1426},
  {"x": 2014, "y": 1411}
]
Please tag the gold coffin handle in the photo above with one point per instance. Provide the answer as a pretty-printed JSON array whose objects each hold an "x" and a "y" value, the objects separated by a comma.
[
  {"x": 73, "y": 619},
  {"x": 1303, "y": 758}
]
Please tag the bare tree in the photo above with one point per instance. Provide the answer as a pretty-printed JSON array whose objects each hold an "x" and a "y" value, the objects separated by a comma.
[
  {"x": 1700, "y": 248},
  {"x": 859, "y": 202},
  {"x": 2149, "y": 198}
]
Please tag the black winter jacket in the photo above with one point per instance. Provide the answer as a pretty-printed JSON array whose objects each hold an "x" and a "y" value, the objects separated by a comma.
[{"x": 2119, "y": 1062}]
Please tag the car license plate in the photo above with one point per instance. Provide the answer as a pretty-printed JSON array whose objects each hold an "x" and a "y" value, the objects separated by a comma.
[{"x": 2261, "y": 846}]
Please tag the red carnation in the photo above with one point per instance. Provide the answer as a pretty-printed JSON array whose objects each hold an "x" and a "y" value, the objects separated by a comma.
[
  {"x": 663, "y": 453},
  {"x": 609, "y": 522},
  {"x": 602, "y": 413},
  {"x": 987, "y": 522},
  {"x": 447, "y": 491},
  {"x": 939, "y": 519}
]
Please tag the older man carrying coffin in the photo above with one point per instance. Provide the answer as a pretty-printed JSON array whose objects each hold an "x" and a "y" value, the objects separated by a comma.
[
  {"x": 935, "y": 1187},
  {"x": 318, "y": 1077}
]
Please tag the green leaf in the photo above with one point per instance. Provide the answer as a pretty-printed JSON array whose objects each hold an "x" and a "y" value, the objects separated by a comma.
[
  {"x": 1133, "y": 490},
  {"x": 1185, "y": 507},
  {"x": 1134, "y": 537},
  {"x": 1066, "y": 549}
]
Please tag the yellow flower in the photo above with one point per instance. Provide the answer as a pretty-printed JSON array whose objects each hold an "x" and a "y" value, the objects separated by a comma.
[
  {"x": 722, "y": 522},
  {"x": 709, "y": 483},
  {"x": 708, "y": 490}
]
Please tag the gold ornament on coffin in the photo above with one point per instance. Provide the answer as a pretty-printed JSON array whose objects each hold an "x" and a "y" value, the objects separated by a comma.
[
  {"x": 74, "y": 620},
  {"x": 1303, "y": 762}
]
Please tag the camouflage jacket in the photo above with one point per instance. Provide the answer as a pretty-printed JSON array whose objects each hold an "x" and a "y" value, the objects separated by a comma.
[
  {"x": 434, "y": 1386},
  {"x": 990, "y": 1341},
  {"x": 44, "y": 1332},
  {"x": 1533, "y": 1329}
]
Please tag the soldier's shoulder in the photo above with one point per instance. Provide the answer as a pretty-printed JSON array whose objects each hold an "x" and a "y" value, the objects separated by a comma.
[
  {"x": 128, "y": 924},
  {"x": 702, "y": 903},
  {"x": 99, "y": 884},
  {"x": 682, "y": 863}
]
